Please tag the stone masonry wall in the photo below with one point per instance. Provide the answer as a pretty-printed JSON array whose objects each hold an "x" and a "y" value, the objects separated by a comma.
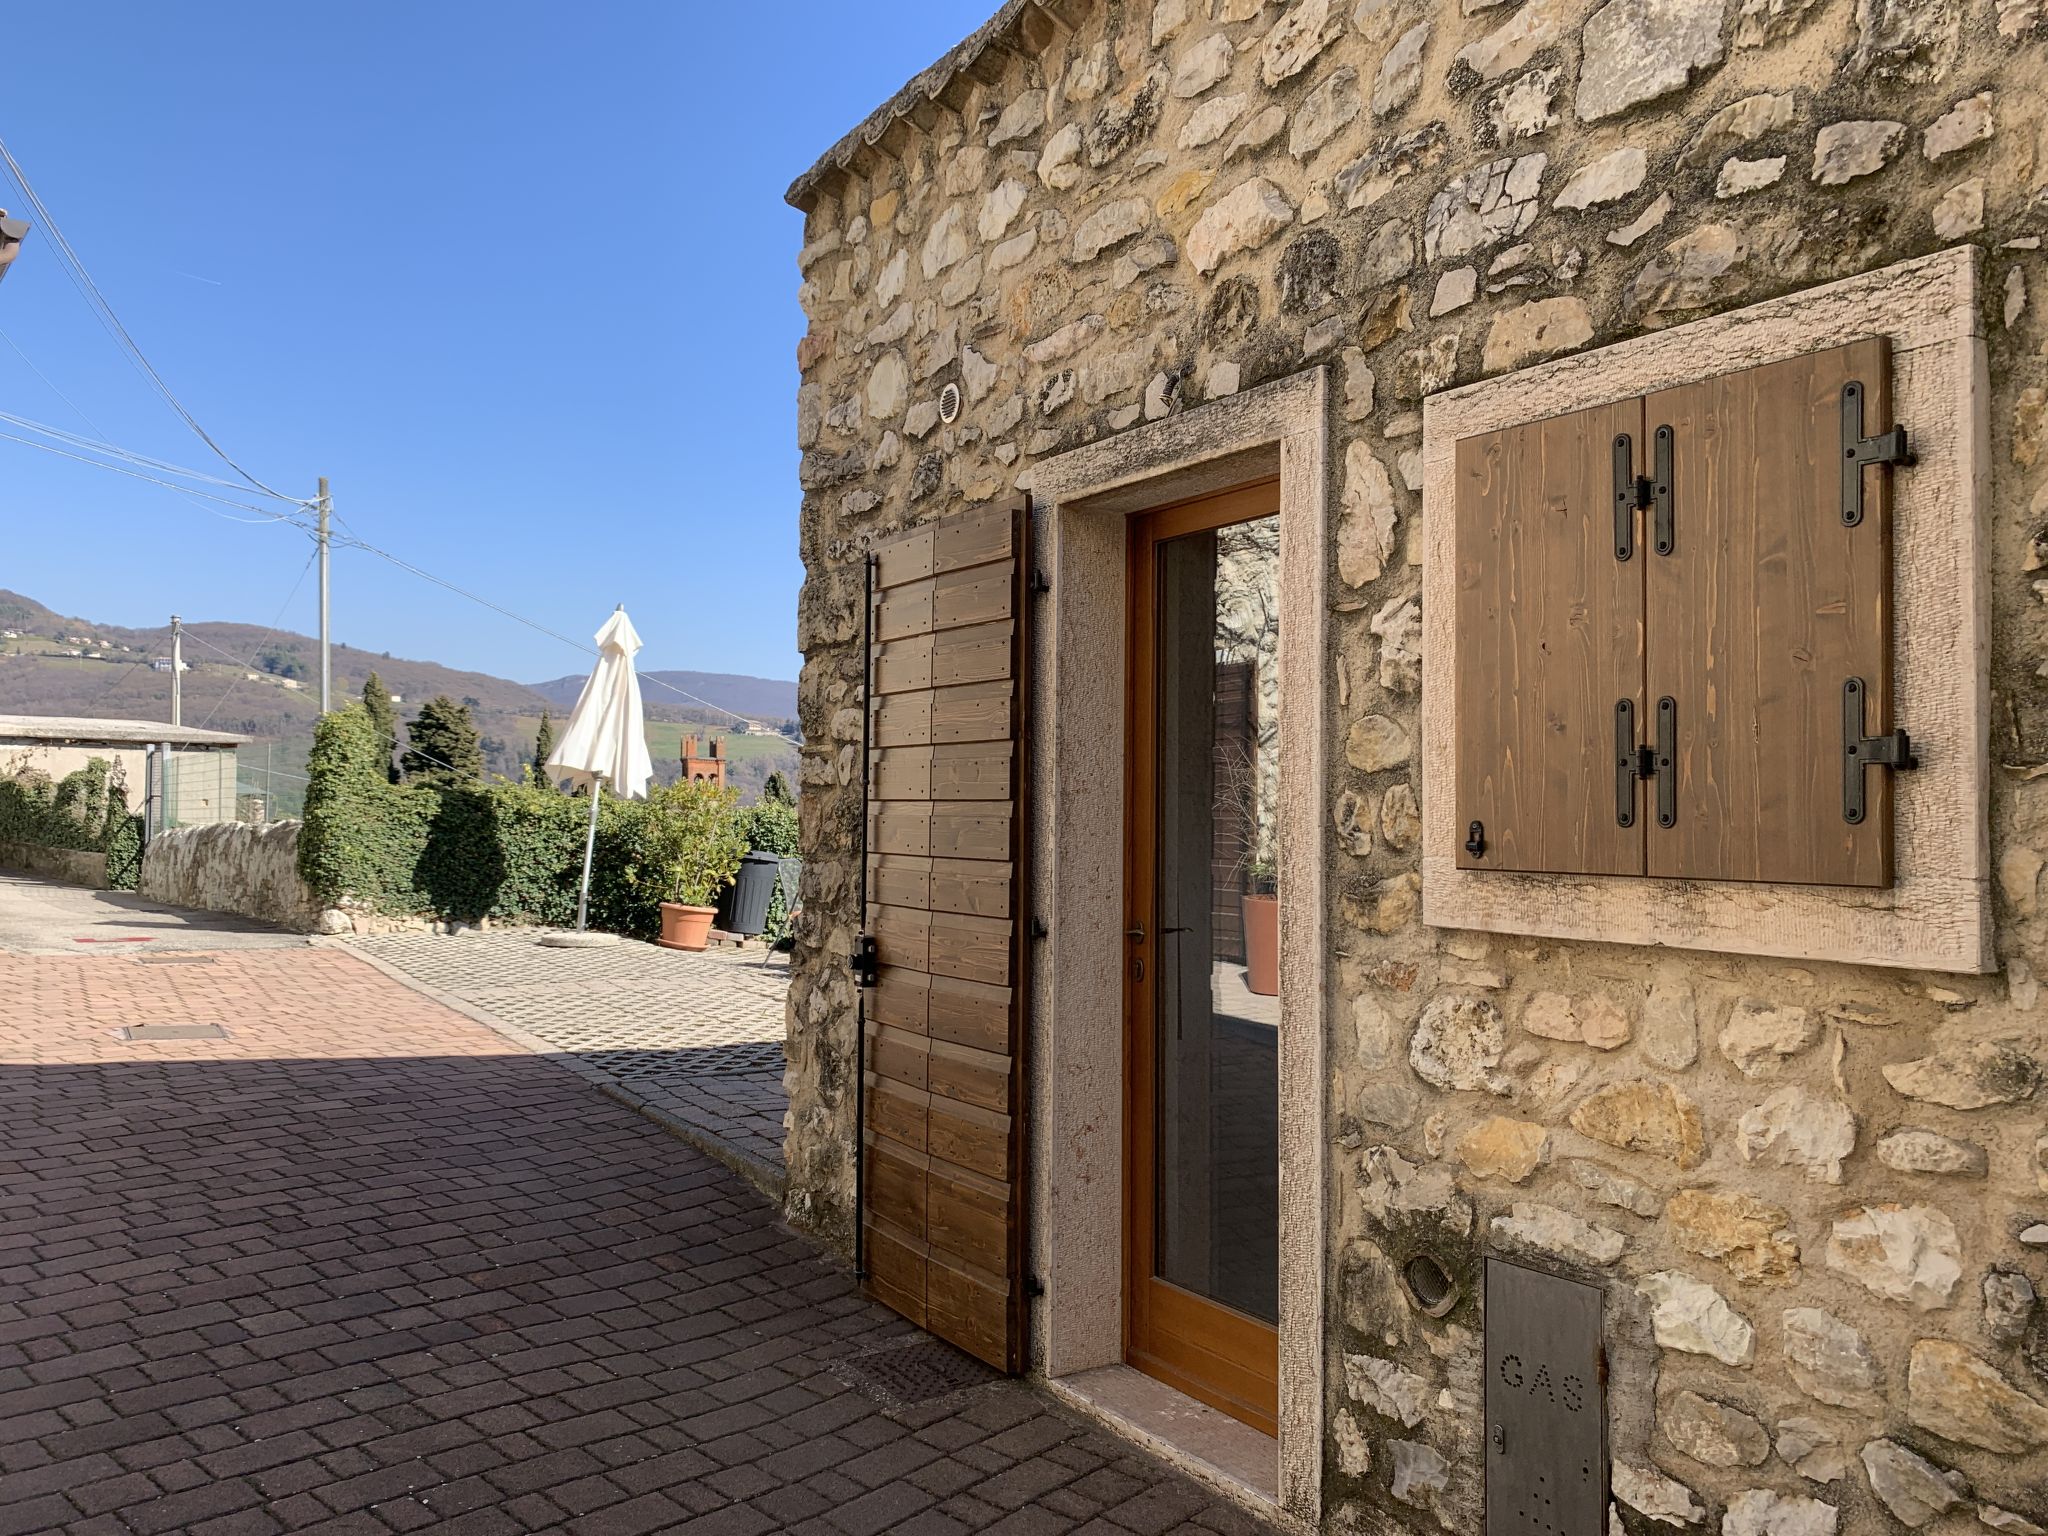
[
  {"x": 1819, "y": 1194},
  {"x": 232, "y": 866}
]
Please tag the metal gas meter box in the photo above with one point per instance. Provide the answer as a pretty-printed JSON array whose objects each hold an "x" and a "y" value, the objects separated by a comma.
[{"x": 1546, "y": 1405}]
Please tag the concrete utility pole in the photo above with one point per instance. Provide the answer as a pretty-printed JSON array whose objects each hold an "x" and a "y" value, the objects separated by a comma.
[
  {"x": 326, "y": 666},
  {"x": 177, "y": 670}
]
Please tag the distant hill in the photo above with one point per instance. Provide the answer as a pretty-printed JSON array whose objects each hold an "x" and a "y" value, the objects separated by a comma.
[
  {"x": 59, "y": 665},
  {"x": 762, "y": 698}
]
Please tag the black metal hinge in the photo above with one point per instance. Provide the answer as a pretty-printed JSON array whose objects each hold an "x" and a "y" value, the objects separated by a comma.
[
  {"x": 1634, "y": 492},
  {"x": 1858, "y": 450},
  {"x": 1629, "y": 493},
  {"x": 866, "y": 962},
  {"x": 1665, "y": 534},
  {"x": 1892, "y": 750},
  {"x": 1634, "y": 763},
  {"x": 1666, "y": 762},
  {"x": 1475, "y": 839},
  {"x": 1628, "y": 762}
]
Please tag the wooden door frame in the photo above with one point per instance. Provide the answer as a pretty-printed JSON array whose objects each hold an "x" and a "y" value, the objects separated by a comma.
[
  {"x": 1083, "y": 500},
  {"x": 1160, "y": 1319}
]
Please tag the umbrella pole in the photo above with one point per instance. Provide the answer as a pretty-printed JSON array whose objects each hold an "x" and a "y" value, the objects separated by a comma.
[{"x": 589, "y": 852}]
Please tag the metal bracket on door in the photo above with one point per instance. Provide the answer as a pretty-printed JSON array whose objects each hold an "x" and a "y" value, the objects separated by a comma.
[
  {"x": 1892, "y": 750},
  {"x": 1633, "y": 763},
  {"x": 1665, "y": 534},
  {"x": 1858, "y": 450},
  {"x": 1629, "y": 493},
  {"x": 1627, "y": 763},
  {"x": 1666, "y": 764},
  {"x": 1634, "y": 492}
]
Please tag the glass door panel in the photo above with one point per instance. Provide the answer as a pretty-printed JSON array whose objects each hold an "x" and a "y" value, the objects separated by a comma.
[
  {"x": 1218, "y": 1016},
  {"x": 1204, "y": 1009}
]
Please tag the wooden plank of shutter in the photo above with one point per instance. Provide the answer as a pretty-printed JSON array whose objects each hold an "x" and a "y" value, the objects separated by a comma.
[
  {"x": 904, "y": 666},
  {"x": 1550, "y": 639},
  {"x": 1765, "y": 606},
  {"x": 943, "y": 1214},
  {"x": 972, "y": 771}
]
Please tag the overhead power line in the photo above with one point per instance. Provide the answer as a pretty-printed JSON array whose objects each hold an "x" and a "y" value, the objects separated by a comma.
[
  {"x": 96, "y": 301},
  {"x": 249, "y": 666},
  {"x": 135, "y": 465},
  {"x": 114, "y": 450},
  {"x": 262, "y": 516},
  {"x": 533, "y": 624}
]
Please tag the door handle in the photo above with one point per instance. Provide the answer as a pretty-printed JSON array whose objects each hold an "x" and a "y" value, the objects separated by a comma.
[{"x": 1136, "y": 935}]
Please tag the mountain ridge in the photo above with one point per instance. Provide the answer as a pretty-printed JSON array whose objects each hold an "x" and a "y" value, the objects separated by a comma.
[
  {"x": 264, "y": 685},
  {"x": 230, "y": 642}
]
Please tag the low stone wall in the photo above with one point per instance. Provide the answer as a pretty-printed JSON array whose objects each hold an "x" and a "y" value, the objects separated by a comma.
[
  {"x": 70, "y": 865},
  {"x": 232, "y": 867}
]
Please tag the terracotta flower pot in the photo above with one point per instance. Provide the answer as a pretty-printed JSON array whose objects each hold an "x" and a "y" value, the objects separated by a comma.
[
  {"x": 1262, "y": 945},
  {"x": 685, "y": 927}
]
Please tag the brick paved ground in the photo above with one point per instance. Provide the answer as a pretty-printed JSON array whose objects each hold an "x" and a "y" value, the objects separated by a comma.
[
  {"x": 364, "y": 1268},
  {"x": 697, "y": 1037}
]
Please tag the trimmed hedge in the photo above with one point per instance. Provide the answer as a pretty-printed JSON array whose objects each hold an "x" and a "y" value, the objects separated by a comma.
[
  {"x": 86, "y": 812},
  {"x": 507, "y": 851}
]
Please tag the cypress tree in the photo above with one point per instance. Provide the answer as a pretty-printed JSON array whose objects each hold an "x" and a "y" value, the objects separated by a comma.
[
  {"x": 384, "y": 720},
  {"x": 543, "y": 744},
  {"x": 443, "y": 744},
  {"x": 776, "y": 790}
]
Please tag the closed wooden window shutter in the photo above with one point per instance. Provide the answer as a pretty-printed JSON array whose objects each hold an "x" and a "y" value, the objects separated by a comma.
[
  {"x": 1550, "y": 642},
  {"x": 1765, "y": 608},
  {"x": 942, "y": 1212}
]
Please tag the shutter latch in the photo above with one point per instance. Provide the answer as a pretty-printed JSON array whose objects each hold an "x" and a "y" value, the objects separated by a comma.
[
  {"x": 1892, "y": 750},
  {"x": 866, "y": 961},
  {"x": 1858, "y": 450}
]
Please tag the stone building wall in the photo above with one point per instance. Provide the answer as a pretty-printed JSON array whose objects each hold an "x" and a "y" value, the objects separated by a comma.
[{"x": 1820, "y": 1192}]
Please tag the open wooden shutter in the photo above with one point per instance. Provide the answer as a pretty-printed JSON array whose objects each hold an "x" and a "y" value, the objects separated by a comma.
[
  {"x": 1767, "y": 606},
  {"x": 1550, "y": 644},
  {"x": 942, "y": 1214}
]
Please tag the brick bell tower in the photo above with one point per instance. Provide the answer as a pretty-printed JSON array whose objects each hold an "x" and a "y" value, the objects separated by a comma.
[{"x": 710, "y": 766}]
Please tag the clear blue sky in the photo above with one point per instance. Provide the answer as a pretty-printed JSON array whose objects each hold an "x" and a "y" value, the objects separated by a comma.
[{"x": 518, "y": 277}]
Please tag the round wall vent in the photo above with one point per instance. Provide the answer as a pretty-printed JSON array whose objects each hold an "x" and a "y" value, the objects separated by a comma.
[
  {"x": 1429, "y": 1285},
  {"x": 949, "y": 404}
]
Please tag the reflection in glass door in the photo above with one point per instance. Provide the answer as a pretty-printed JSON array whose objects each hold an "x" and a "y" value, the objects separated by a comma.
[{"x": 1202, "y": 948}]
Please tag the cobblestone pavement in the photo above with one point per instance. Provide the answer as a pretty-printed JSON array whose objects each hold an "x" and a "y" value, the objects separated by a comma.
[
  {"x": 696, "y": 1037},
  {"x": 358, "y": 1269}
]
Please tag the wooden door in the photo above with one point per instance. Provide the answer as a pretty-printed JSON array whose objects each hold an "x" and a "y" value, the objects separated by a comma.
[
  {"x": 1550, "y": 643},
  {"x": 1201, "y": 1064},
  {"x": 1766, "y": 606},
  {"x": 942, "y": 1212}
]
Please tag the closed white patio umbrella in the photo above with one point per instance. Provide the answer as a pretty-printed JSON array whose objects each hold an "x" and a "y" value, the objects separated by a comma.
[{"x": 606, "y": 737}]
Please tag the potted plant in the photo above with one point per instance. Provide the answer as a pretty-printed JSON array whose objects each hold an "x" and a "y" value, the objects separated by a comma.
[
  {"x": 1244, "y": 834},
  {"x": 1261, "y": 906},
  {"x": 696, "y": 839}
]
